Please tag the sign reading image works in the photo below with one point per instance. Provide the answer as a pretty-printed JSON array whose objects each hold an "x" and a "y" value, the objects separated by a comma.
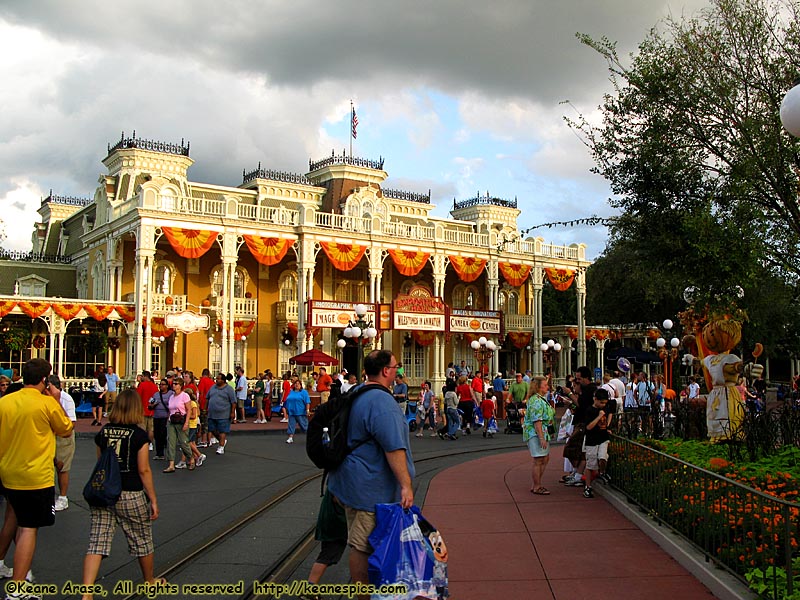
[
  {"x": 484, "y": 322},
  {"x": 336, "y": 315},
  {"x": 419, "y": 313}
]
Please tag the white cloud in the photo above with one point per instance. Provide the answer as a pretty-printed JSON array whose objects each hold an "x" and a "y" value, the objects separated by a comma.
[{"x": 19, "y": 214}]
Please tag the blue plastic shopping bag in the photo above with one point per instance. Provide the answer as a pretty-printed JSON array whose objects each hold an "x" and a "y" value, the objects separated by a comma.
[{"x": 407, "y": 550}]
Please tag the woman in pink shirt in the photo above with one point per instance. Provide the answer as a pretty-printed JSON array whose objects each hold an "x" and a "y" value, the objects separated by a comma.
[{"x": 180, "y": 405}]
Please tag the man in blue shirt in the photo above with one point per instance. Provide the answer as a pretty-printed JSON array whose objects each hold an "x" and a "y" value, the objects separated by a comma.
[
  {"x": 112, "y": 379},
  {"x": 380, "y": 468},
  {"x": 400, "y": 391},
  {"x": 499, "y": 384}
]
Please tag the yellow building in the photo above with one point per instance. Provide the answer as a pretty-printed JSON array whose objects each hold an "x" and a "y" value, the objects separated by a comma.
[{"x": 154, "y": 253}]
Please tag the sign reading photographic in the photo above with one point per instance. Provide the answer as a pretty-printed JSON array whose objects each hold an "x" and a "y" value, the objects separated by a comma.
[
  {"x": 336, "y": 315},
  {"x": 419, "y": 313}
]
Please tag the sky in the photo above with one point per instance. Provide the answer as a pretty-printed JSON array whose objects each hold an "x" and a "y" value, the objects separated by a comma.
[{"x": 459, "y": 97}]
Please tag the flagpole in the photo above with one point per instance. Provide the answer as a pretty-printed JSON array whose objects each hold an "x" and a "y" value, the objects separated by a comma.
[{"x": 351, "y": 129}]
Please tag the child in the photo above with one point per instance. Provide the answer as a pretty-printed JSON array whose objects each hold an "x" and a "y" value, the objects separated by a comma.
[
  {"x": 488, "y": 411},
  {"x": 565, "y": 429},
  {"x": 596, "y": 441},
  {"x": 194, "y": 417}
]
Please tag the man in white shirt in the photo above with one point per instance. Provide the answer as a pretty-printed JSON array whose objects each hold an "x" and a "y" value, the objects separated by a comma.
[
  {"x": 241, "y": 393},
  {"x": 65, "y": 447},
  {"x": 694, "y": 388}
]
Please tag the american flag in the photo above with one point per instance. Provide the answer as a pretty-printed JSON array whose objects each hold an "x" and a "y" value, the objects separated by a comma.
[{"x": 354, "y": 123}]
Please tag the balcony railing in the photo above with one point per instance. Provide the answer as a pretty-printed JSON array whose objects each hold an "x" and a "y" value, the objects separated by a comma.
[
  {"x": 466, "y": 238},
  {"x": 282, "y": 176},
  {"x": 185, "y": 205},
  {"x": 739, "y": 528},
  {"x": 155, "y": 146},
  {"x": 161, "y": 305},
  {"x": 406, "y": 231},
  {"x": 519, "y": 322},
  {"x": 243, "y": 308},
  {"x": 343, "y": 222},
  {"x": 69, "y": 200},
  {"x": 410, "y": 196},
  {"x": 487, "y": 199},
  {"x": 286, "y": 311},
  {"x": 269, "y": 214},
  {"x": 555, "y": 251},
  {"x": 15, "y": 255},
  {"x": 344, "y": 159}
]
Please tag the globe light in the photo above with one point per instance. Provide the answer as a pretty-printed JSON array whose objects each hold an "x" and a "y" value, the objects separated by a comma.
[
  {"x": 790, "y": 111},
  {"x": 545, "y": 347},
  {"x": 661, "y": 342},
  {"x": 475, "y": 345},
  {"x": 557, "y": 347},
  {"x": 491, "y": 345},
  {"x": 161, "y": 338},
  {"x": 287, "y": 342},
  {"x": 482, "y": 341},
  {"x": 244, "y": 338},
  {"x": 360, "y": 311},
  {"x": 355, "y": 332},
  {"x": 674, "y": 342},
  {"x": 321, "y": 343},
  {"x": 341, "y": 344},
  {"x": 667, "y": 324},
  {"x": 210, "y": 340},
  {"x": 550, "y": 343},
  {"x": 348, "y": 332},
  {"x": 371, "y": 332}
]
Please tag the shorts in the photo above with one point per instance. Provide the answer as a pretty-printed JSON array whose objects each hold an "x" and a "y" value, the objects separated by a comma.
[
  {"x": 536, "y": 449},
  {"x": 192, "y": 434},
  {"x": 132, "y": 514},
  {"x": 34, "y": 508},
  {"x": 219, "y": 425},
  {"x": 148, "y": 426},
  {"x": 360, "y": 524},
  {"x": 95, "y": 399},
  {"x": 331, "y": 552},
  {"x": 65, "y": 450},
  {"x": 111, "y": 397},
  {"x": 240, "y": 402},
  {"x": 203, "y": 421},
  {"x": 594, "y": 454}
]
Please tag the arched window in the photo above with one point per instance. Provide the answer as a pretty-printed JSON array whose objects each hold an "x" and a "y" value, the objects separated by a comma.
[
  {"x": 287, "y": 285},
  {"x": 240, "y": 280},
  {"x": 98, "y": 278},
  {"x": 513, "y": 303},
  {"x": 164, "y": 277},
  {"x": 348, "y": 290},
  {"x": 459, "y": 296}
]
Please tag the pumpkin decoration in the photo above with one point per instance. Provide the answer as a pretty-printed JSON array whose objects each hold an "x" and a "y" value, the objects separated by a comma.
[
  {"x": 758, "y": 350},
  {"x": 39, "y": 342},
  {"x": 206, "y": 303},
  {"x": 169, "y": 301},
  {"x": 722, "y": 335},
  {"x": 248, "y": 294},
  {"x": 113, "y": 343}
]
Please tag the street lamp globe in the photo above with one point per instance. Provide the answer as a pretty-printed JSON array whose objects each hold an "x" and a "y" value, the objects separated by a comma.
[
  {"x": 545, "y": 347},
  {"x": 661, "y": 342},
  {"x": 482, "y": 341},
  {"x": 667, "y": 324},
  {"x": 355, "y": 332},
  {"x": 790, "y": 111},
  {"x": 360, "y": 310},
  {"x": 321, "y": 344},
  {"x": 286, "y": 342},
  {"x": 491, "y": 345},
  {"x": 475, "y": 344},
  {"x": 557, "y": 347},
  {"x": 550, "y": 343},
  {"x": 674, "y": 342},
  {"x": 371, "y": 332},
  {"x": 348, "y": 332},
  {"x": 244, "y": 338},
  {"x": 341, "y": 344}
]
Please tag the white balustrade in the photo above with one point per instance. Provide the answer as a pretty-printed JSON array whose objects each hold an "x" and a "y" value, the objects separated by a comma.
[
  {"x": 286, "y": 310},
  {"x": 520, "y": 322},
  {"x": 343, "y": 222},
  {"x": 161, "y": 305}
]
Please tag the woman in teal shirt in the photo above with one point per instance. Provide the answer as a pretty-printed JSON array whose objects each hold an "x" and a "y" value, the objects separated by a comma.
[{"x": 537, "y": 429}]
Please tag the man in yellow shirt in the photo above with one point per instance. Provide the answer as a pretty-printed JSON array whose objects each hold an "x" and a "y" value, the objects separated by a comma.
[{"x": 29, "y": 419}]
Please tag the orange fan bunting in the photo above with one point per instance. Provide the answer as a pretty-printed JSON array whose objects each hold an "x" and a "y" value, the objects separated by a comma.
[
  {"x": 159, "y": 329},
  {"x": 572, "y": 332},
  {"x": 189, "y": 243},
  {"x": 344, "y": 257},
  {"x": 67, "y": 311},
  {"x": 126, "y": 313},
  {"x": 424, "y": 338},
  {"x": 267, "y": 250},
  {"x": 520, "y": 339},
  {"x": 242, "y": 328},
  {"x": 515, "y": 274},
  {"x": 467, "y": 268},
  {"x": 99, "y": 312},
  {"x": 409, "y": 262},
  {"x": 6, "y": 306},
  {"x": 34, "y": 309},
  {"x": 560, "y": 278}
]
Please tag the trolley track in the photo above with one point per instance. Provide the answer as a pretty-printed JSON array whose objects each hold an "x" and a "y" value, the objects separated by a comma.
[{"x": 299, "y": 548}]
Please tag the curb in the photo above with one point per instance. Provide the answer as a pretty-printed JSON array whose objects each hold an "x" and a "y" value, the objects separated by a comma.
[{"x": 721, "y": 583}]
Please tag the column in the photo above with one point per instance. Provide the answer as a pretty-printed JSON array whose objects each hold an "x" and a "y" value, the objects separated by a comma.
[
  {"x": 141, "y": 340},
  {"x": 537, "y": 282},
  {"x": 306, "y": 263},
  {"x": 580, "y": 282},
  {"x": 230, "y": 258}
]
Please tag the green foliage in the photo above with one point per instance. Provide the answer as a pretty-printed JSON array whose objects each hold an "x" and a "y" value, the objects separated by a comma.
[
  {"x": 96, "y": 343},
  {"x": 764, "y": 581},
  {"x": 559, "y": 307},
  {"x": 15, "y": 340}
]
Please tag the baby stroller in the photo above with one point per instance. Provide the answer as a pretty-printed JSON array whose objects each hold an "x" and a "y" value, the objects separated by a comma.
[
  {"x": 411, "y": 415},
  {"x": 513, "y": 418}
]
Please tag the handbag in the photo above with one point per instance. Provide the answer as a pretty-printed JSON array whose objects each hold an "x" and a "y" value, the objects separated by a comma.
[
  {"x": 105, "y": 484},
  {"x": 177, "y": 418}
]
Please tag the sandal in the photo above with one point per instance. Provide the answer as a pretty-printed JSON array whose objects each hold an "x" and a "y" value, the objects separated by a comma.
[
  {"x": 542, "y": 491},
  {"x": 169, "y": 470}
]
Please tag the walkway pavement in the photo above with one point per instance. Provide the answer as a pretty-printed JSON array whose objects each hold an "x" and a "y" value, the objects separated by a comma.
[{"x": 505, "y": 542}]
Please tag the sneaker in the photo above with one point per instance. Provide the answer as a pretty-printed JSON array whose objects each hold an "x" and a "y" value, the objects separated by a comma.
[
  {"x": 434, "y": 435},
  {"x": 200, "y": 460},
  {"x": 242, "y": 421},
  {"x": 418, "y": 434},
  {"x": 588, "y": 493},
  {"x": 202, "y": 445},
  {"x": 105, "y": 414},
  {"x": 284, "y": 420},
  {"x": 213, "y": 441},
  {"x": 62, "y": 503},
  {"x": 221, "y": 450},
  {"x": 290, "y": 440},
  {"x": 181, "y": 465},
  {"x": 5, "y": 572},
  {"x": 22, "y": 596},
  {"x": 469, "y": 431},
  {"x": 575, "y": 481},
  {"x": 158, "y": 458}
]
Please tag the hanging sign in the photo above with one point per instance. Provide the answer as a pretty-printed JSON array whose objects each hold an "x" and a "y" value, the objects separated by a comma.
[
  {"x": 419, "y": 313},
  {"x": 336, "y": 315},
  {"x": 186, "y": 321},
  {"x": 476, "y": 321}
]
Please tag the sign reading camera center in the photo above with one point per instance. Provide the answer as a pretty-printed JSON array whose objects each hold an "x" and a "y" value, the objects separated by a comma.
[
  {"x": 416, "y": 313},
  {"x": 476, "y": 321}
]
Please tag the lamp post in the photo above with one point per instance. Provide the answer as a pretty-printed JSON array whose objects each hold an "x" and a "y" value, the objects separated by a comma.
[
  {"x": 359, "y": 330},
  {"x": 550, "y": 353},
  {"x": 483, "y": 350},
  {"x": 668, "y": 355}
]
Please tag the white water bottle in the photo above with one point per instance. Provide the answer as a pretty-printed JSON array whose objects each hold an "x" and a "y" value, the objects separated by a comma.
[{"x": 326, "y": 438}]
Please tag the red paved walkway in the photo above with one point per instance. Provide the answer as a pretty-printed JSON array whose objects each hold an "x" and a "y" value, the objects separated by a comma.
[{"x": 505, "y": 542}]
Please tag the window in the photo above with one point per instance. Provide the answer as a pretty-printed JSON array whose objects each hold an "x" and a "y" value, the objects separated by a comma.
[
  {"x": 414, "y": 362},
  {"x": 32, "y": 285},
  {"x": 287, "y": 285},
  {"x": 155, "y": 359},
  {"x": 98, "y": 278},
  {"x": 240, "y": 280},
  {"x": 350, "y": 291},
  {"x": 168, "y": 201},
  {"x": 215, "y": 358},
  {"x": 165, "y": 275}
]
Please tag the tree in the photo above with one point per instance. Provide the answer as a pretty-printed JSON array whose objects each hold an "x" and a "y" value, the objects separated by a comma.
[{"x": 693, "y": 127}]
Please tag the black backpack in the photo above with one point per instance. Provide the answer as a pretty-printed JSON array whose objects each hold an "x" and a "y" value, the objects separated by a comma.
[
  {"x": 105, "y": 485},
  {"x": 334, "y": 415}
]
